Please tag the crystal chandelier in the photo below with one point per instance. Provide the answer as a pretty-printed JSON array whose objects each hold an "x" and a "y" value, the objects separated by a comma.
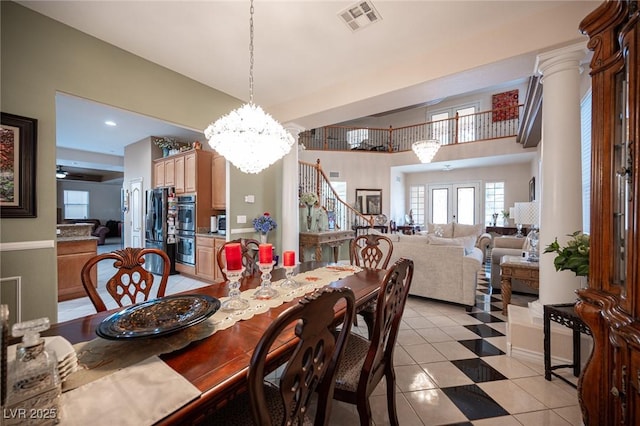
[
  {"x": 426, "y": 149},
  {"x": 248, "y": 137}
]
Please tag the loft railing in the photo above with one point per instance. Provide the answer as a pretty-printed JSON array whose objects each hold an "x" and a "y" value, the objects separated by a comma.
[
  {"x": 313, "y": 179},
  {"x": 494, "y": 124}
]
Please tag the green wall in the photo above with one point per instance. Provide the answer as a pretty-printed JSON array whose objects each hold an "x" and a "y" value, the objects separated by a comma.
[{"x": 41, "y": 56}]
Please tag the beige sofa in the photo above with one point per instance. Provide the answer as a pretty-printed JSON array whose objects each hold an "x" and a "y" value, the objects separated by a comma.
[{"x": 442, "y": 272}]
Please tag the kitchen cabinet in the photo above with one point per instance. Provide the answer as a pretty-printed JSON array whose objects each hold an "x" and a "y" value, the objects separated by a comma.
[
  {"x": 72, "y": 254},
  {"x": 219, "y": 181},
  {"x": 206, "y": 263},
  {"x": 179, "y": 181},
  {"x": 609, "y": 387},
  {"x": 191, "y": 173},
  {"x": 164, "y": 172}
]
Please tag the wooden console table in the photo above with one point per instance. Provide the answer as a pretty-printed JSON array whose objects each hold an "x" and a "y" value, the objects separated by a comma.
[
  {"x": 408, "y": 229},
  {"x": 504, "y": 230},
  {"x": 519, "y": 268},
  {"x": 332, "y": 239}
]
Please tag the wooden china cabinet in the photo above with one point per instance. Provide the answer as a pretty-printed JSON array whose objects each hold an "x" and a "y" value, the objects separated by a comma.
[{"x": 609, "y": 388}]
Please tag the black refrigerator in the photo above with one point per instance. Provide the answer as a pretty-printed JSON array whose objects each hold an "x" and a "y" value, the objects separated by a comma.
[{"x": 160, "y": 228}]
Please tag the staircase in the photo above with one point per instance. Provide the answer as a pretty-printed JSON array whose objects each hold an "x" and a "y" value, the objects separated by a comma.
[{"x": 311, "y": 178}]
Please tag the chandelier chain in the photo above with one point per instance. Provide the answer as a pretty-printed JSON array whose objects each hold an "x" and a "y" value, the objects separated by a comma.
[{"x": 251, "y": 53}]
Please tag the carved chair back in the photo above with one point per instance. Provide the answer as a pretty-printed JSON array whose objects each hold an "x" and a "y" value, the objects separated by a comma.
[
  {"x": 371, "y": 251},
  {"x": 249, "y": 249},
  {"x": 131, "y": 283}
]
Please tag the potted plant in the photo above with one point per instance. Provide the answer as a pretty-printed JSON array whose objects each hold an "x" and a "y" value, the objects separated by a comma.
[
  {"x": 263, "y": 224},
  {"x": 166, "y": 144},
  {"x": 572, "y": 257}
]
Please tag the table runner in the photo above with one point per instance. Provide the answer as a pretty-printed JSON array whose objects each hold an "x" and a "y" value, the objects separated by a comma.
[
  {"x": 100, "y": 357},
  {"x": 140, "y": 395}
]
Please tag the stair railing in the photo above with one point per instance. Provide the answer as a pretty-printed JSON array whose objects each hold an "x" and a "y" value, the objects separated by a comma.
[{"x": 312, "y": 178}]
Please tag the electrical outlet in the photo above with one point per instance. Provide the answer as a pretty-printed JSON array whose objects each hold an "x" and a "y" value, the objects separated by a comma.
[
  {"x": 241, "y": 219},
  {"x": 250, "y": 199}
]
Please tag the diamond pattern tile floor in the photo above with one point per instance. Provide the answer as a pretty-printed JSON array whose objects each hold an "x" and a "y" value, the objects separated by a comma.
[{"x": 451, "y": 368}]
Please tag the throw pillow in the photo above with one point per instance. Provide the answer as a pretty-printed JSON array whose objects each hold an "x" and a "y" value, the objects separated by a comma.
[
  {"x": 440, "y": 229},
  {"x": 460, "y": 230}
]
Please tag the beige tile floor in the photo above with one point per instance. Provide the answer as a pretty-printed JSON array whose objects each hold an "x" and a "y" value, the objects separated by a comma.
[{"x": 428, "y": 345}]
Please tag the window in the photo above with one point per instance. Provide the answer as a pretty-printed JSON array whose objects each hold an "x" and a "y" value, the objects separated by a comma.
[
  {"x": 341, "y": 189},
  {"x": 585, "y": 143},
  {"x": 442, "y": 127},
  {"x": 416, "y": 203},
  {"x": 76, "y": 204},
  {"x": 356, "y": 137},
  {"x": 493, "y": 200}
]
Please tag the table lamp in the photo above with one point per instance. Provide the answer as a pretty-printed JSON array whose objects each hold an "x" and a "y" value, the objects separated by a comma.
[{"x": 529, "y": 213}]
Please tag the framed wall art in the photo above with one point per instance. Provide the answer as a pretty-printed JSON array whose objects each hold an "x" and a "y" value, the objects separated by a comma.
[
  {"x": 369, "y": 201},
  {"x": 17, "y": 166},
  {"x": 505, "y": 105}
]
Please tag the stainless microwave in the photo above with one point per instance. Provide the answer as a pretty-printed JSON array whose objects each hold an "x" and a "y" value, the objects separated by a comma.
[{"x": 222, "y": 224}]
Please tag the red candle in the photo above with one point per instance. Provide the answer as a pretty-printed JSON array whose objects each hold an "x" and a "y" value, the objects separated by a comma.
[
  {"x": 289, "y": 258},
  {"x": 265, "y": 252},
  {"x": 233, "y": 253}
]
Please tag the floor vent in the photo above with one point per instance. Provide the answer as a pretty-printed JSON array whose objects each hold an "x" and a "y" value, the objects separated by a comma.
[{"x": 360, "y": 15}]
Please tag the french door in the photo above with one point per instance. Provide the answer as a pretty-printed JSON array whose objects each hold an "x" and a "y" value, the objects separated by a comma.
[{"x": 457, "y": 202}]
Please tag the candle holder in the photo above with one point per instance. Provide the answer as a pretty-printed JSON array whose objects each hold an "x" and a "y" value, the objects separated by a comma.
[
  {"x": 289, "y": 282},
  {"x": 266, "y": 291},
  {"x": 234, "y": 302}
]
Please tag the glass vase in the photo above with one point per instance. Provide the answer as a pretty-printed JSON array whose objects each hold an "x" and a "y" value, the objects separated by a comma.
[{"x": 309, "y": 218}]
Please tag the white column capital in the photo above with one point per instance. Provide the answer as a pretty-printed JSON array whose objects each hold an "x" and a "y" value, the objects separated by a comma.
[
  {"x": 294, "y": 129},
  {"x": 563, "y": 59}
]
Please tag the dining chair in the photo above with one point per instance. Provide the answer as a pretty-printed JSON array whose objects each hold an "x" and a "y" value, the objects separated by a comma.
[
  {"x": 366, "y": 362},
  {"x": 370, "y": 251},
  {"x": 309, "y": 367},
  {"x": 131, "y": 283},
  {"x": 249, "y": 249}
]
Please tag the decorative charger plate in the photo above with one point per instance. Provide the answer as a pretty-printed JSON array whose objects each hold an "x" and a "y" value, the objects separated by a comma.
[
  {"x": 158, "y": 317},
  {"x": 381, "y": 219}
]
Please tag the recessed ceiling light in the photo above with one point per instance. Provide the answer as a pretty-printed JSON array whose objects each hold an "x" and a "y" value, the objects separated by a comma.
[{"x": 110, "y": 123}]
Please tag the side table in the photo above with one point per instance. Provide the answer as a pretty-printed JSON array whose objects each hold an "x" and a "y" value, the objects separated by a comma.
[
  {"x": 519, "y": 268},
  {"x": 563, "y": 314}
]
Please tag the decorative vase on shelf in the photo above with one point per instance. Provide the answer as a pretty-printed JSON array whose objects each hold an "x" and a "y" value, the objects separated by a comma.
[
  {"x": 308, "y": 218},
  {"x": 165, "y": 152},
  {"x": 263, "y": 237}
]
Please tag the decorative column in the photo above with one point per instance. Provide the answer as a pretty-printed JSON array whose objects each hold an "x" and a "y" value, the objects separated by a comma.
[
  {"x": 290, "y": 211},
  {"x": 560, "y": 165}
]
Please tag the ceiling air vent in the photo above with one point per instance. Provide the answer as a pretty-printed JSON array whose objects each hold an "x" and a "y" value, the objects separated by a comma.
[{"x": 360, "y": 15}]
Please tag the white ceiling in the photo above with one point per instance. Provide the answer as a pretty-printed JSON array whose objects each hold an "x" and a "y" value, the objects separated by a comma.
[{"x": 310, "y": 68}]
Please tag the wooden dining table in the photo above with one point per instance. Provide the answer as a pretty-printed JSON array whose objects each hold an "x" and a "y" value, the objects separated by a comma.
[{"x": 218, "y": 364}]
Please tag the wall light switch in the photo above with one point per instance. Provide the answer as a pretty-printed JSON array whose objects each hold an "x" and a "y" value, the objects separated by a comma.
[
  {"x": 249, "y": 199},
  {"x": 242, "y": 219}
]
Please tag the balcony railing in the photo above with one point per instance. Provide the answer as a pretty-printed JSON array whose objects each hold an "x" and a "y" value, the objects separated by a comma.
[{"x": 494, "y": 124}]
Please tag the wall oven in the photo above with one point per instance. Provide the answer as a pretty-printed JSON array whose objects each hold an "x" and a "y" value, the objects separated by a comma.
[
  {"x": 186, "y": 219},
  {"x": 186, "y": 247},
  {"x": 186, "y": 230}
]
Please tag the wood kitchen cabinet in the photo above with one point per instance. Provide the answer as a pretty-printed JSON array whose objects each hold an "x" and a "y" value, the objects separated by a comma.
[
  {"x": 206, "y": 263},
  {"x": 164, "y": 172},
  {"x": 189, "y": 172},
  {"x": 218, "y": 182},
  {"x": 73, "y": 253},
  {"x": 179, "y": 181}
]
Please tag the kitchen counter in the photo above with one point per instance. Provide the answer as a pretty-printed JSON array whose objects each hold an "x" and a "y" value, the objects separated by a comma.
[
  {"x": 211, "y": 235},
  {"x": 76, "y": 238}
]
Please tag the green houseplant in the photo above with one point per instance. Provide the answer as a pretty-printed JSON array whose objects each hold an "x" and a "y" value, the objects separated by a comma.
[{"x": 574, "y": 256}]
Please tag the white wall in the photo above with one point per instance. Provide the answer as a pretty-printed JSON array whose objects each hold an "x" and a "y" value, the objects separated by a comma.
[{"x": 104, "y": 198}]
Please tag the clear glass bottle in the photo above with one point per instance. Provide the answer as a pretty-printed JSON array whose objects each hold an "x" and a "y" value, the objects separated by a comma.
[{"x": 34, "y": 383}]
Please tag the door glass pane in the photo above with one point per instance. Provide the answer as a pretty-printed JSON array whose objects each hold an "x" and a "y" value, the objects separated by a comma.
[
  {"x": 440, "y": 200},
  {"x": 440, "y": 129},
  {"x": 466, "y": 205},
  {"x": 466, "y": 124}
]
